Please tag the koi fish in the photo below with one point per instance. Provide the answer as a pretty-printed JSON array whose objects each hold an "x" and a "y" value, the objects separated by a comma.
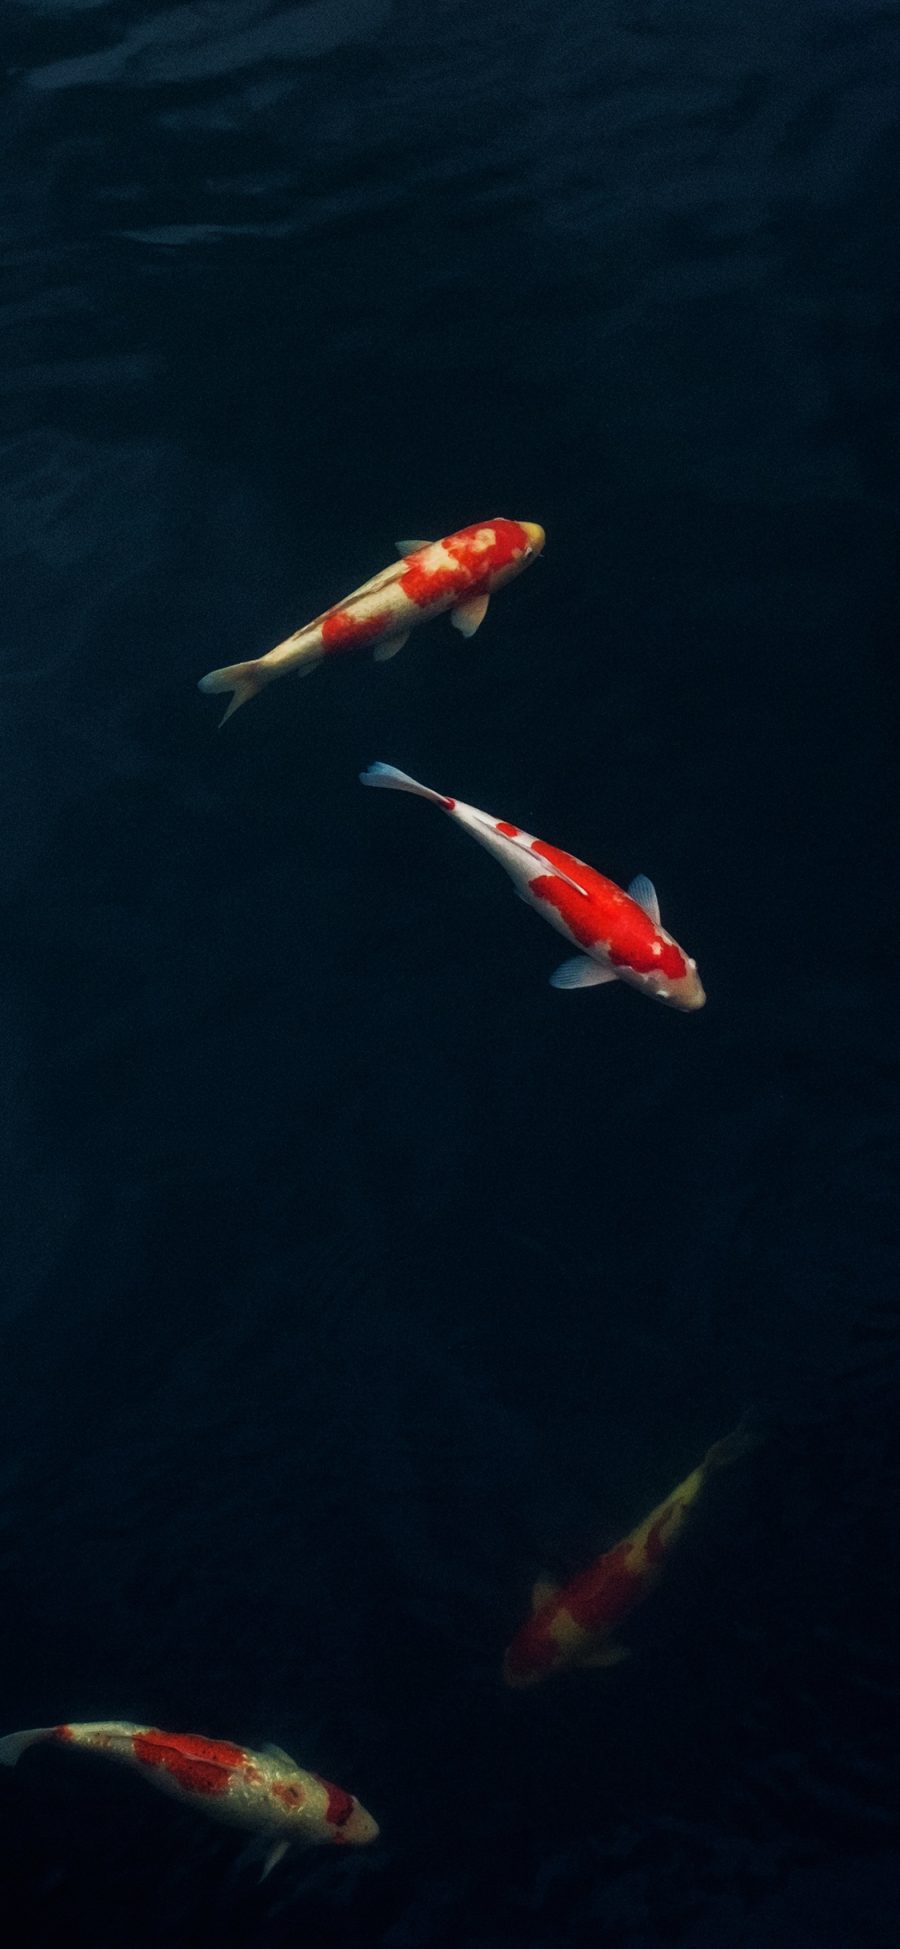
[
  {"x": 267, "y": 1792},
  {"x": 573, "y": 1627},
  {"x": 621, "y": 934},
  {"x": 459, "y": 573}
]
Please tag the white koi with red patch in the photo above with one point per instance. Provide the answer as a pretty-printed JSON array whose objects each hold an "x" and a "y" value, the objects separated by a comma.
[
  {"x": 620, "y": 934},
  {"x": 266, "y": 1792},
  {"x": 459, "y": 573}
]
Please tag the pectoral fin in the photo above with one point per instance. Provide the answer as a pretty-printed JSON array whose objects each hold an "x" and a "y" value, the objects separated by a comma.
[
  {"x": 543, "y": 1593},
  {"x": 275, "y": 1854},
  {"x": 383, "y": 651},
  {"x": 581, "y": 972},
  {"x": 468, "y": 615},
  {"x": 609, "y": 1654}
]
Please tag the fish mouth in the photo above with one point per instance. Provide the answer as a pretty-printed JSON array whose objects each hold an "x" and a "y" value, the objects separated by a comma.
[{"x": 687, "y": 993}]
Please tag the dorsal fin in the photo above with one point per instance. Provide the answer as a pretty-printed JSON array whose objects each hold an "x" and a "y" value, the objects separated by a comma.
[
  {"x": 411, "y": 547},
  {"x": 278, "y": 1753},
  {"x": 544, "y": 866},
  {"x": 643, "y": 892}
]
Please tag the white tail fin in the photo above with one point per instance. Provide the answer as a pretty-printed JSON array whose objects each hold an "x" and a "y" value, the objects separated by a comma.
[
  {"x": 244, "y": 679},
  {"x": 392, "y": 780},
  {"x": 15, "y": 1743}
]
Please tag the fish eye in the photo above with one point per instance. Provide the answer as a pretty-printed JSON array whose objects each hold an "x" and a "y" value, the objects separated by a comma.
[{"x": 527, "y": 550}]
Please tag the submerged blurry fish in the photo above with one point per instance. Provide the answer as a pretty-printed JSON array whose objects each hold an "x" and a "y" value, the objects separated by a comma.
[
  {"x": 621, "y": 933},
  {"x": 459, "y": 573},
  {"x": 572, "y": 1627},
  {"x": 266, "y": 1792}
]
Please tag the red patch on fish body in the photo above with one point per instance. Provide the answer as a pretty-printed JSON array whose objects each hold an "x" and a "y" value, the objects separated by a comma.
[
  {"x": 341, "y": 630},
  {"x": 426, "y": 585},
  {"x": 508, "y": 831},
  {"x": 509, "y": 542},
  {"x": 340, "y": 1804},
  {"x": 63, "y": 1732},
  {"x": 289, "y": 1792},
  {"x": 608, "y": 917},
  {"x": 593, "y": 1602},
  {"x": 590, "y": 921},
  {"x": 196, "y": 1764},
  {"x": 605, "y": 1593},
  {"x": 473, "y": 562}
]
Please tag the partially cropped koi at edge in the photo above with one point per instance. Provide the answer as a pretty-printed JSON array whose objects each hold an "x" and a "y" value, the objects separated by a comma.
[
  {"x": 266, "y": 1792},
  {"x": 459, "y": 574}
]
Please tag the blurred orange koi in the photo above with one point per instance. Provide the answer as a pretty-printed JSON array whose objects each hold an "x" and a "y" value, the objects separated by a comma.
[{"x": 574, "y": 1626}]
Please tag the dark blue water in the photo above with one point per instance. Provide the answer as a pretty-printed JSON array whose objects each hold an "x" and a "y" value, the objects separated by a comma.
[{"x": 352, "y": 1275}]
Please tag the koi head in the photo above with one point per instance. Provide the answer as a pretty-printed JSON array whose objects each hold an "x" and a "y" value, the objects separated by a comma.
[
  {"x": 680, "y": 990},
  {"x": 346, "y": 1821},
  {"x": 516, "y": 545},
  {"x": 493, "y": 552},
  {"x": 649, "y": 959},
  {"x": 361, "y": 1828},
  {"x": 535, "y": 534}
]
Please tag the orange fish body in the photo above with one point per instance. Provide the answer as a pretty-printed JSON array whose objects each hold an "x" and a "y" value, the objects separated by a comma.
[
  {"x": 459, "y": 573},
  {"x": 575, "y": 1626},
  {"x": 265, "y": 1792}
]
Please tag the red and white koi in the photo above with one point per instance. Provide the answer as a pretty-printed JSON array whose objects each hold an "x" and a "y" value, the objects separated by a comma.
[
  {"x": 620, "y": 934},
  {"x": 266, "y": 1792},
  {"x": 573, "y": 1627},
  {"x": 459, "y": 573}
]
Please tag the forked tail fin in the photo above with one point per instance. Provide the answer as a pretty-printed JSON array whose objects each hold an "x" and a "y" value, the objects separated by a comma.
[
  {"x": 244, "y": 679},
  {"x": 392, "y": 780},
  {"x": 15, "y": 1743}
]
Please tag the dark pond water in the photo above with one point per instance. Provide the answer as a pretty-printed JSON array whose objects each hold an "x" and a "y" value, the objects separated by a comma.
[{"x": 354, "y": 1276}]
